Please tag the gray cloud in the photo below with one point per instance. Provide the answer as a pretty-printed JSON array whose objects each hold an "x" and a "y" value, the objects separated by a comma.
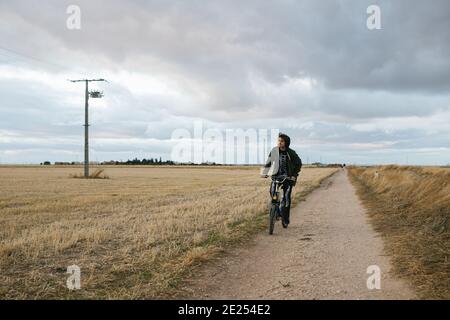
[{"x": 234, "y": 63}]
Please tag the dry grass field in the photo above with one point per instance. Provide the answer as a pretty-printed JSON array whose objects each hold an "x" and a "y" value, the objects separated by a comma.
[
  {"x": 134, "y": 235},
  {"x": 410, "y": 207}
]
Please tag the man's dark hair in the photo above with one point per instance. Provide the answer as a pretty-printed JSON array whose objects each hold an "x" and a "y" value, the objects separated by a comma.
[{"x": 286, "y": 139}]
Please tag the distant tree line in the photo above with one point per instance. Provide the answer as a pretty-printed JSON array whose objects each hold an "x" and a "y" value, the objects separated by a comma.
[
  {"x": 135, "y": 162},
  {"x": 155, "y": 162},
  {"x": 328, "y": 165},
  {"x": 143, "y": 162}
]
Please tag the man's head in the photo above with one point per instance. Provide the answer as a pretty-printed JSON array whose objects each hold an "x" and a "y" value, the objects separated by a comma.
[{"x": 283, "y": 141}]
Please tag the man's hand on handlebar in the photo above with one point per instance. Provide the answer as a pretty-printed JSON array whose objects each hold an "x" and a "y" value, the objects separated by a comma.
[{"x": 293, "y": 178}]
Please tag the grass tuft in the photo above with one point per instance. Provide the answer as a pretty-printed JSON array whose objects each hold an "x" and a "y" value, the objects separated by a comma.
[{"x": 97, "y": 174}]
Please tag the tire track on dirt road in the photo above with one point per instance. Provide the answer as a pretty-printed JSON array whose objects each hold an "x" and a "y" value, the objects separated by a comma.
[{"x": 324, "y": 254}]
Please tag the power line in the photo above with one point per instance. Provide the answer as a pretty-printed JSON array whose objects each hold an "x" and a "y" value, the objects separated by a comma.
[{"x": 28, "y": 58}]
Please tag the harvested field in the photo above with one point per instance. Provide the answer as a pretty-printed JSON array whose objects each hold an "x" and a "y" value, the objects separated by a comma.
[{"x": 134, "y": 235}]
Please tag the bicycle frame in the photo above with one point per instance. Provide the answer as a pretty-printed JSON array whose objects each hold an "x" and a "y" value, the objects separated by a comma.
[
  {"x": 279, "y": 184},
  {"x": 275, "y": 210},
  {"x": 276, "y": 197}
]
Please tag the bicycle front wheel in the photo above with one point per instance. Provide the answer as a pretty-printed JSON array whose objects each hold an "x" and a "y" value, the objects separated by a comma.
[{"x": 272, "y": 218}]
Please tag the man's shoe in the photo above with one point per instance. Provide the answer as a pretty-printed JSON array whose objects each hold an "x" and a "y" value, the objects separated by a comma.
[{"x": 285, "y": 225}]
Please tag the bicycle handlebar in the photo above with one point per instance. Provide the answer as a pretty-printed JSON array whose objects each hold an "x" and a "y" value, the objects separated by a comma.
[{"x": 281, "y": 179}]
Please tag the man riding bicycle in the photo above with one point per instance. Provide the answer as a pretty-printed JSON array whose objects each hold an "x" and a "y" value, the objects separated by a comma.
[{"x": 283, "y": 161}]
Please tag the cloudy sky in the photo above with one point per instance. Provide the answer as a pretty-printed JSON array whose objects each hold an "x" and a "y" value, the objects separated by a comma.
[{"x": 309, "y": 68}]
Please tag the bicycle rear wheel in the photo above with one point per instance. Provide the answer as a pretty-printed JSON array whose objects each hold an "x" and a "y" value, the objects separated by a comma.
[{"x": 272, "y": 218}]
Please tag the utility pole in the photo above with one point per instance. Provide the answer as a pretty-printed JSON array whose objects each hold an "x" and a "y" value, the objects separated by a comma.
[{"x": 92, "y": 94}]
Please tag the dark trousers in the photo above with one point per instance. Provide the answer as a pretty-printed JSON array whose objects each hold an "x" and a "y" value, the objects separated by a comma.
[{"x": 286, "y": 189}]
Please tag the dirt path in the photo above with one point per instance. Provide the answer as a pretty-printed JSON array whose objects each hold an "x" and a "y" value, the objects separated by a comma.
[{"x": 324, "y": 254}]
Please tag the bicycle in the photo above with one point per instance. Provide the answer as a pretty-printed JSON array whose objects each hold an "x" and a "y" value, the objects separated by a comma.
[{"x": 275, "y": 208}]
